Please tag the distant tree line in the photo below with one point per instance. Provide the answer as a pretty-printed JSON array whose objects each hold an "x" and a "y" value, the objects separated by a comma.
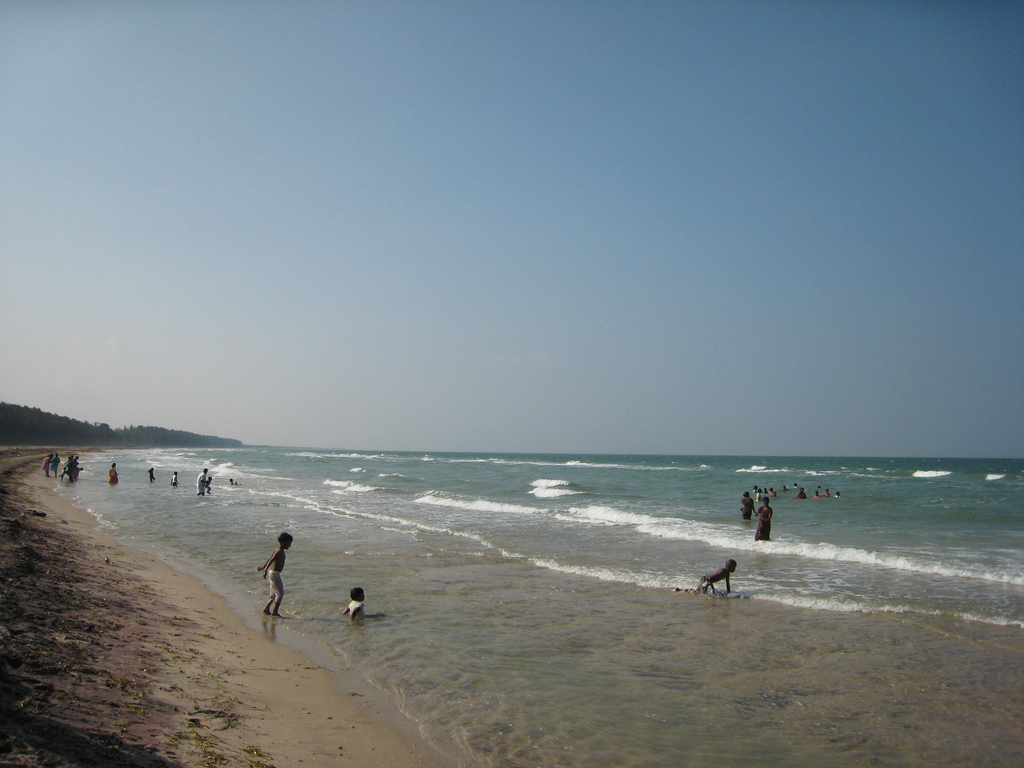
[{"x": 20, "y": 425}]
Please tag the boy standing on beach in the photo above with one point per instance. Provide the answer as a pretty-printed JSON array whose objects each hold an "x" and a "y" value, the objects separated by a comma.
[{"x": 272, "y": 570}]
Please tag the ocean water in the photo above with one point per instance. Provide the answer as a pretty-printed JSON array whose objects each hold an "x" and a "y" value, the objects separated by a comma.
[{"x": 522, "y": 610}]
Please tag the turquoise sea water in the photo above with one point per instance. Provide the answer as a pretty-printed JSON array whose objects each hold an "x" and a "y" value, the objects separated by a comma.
[{"x": 527, "y": 612}]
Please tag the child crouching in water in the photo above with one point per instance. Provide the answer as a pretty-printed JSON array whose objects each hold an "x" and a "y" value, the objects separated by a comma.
[
  {"x": 713, "y": 578},
  {"x": 356, "y": 607}
]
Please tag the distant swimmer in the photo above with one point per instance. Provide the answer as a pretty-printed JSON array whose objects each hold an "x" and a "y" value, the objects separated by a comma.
[
  {"x": 152, "y": 475},
  {"x": 113, "y": 474},
  {"x": 201, "y": 483},
  {"x": 747, "y": 506},
  {"x": 711, "y": 579},
  {"x": 802, "y": 494},
  {"x": 174, "y": 480}
]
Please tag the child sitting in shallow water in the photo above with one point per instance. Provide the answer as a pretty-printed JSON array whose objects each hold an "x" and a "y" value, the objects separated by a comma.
[
  {"x": 356, "y": 608},
  {"x": 713, "y": 578}
]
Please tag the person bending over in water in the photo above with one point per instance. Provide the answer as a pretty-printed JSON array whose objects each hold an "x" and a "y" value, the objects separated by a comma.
[
  {"x": 713, "y": 578},
  {"x": 272, "y": 570},
  {"x": 356, "y": 609}
]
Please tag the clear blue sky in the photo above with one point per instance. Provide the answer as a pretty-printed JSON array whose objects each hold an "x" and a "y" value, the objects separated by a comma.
[{"x": 645, "y": 227}]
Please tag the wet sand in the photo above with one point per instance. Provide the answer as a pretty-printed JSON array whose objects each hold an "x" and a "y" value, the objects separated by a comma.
[{"x": 110, "y": 656}]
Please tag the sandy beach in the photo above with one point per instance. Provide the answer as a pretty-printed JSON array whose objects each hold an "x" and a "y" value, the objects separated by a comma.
[{"x": 111, "y": 656}]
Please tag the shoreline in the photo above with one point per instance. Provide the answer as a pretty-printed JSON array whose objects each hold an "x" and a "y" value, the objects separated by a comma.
[
  {"x": 107, "y": 648},
  {"x": 520, "y": 665}
]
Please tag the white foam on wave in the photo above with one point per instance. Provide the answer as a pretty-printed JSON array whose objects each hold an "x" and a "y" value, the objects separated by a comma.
[
  {"x": 840, "y": 606},
  {"x": 549, "y": 483},
  {"x": 592, "y": 572},
  {"x": 356, "y": 488},
  {"x": 476, "y": 505},
  {"x": 570, "y": 463},
  {"x": 403, "y": 525},
  {"x": 552, "y": 489},
  {"x": 831, "y": 604},
  {"x": 656, "y": 581},
  {"x": 757, "y": 468},
  {"x": 610, "y": 515},
  {"x": 553, "y": 493},
  {"x": 101, "y": 521},
  {"x": 994, "y": 477},
  {"x": 737, "y": 539},
  {"x": 329, "y": 455},
  {"x": 639, "y": 467},
  {"x": 931, "y": 473},
  {"x": 719, "y": 537},
  {"x": 343, "y": 486}
]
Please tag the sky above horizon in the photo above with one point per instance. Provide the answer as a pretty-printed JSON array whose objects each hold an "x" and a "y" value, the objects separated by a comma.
[{"x": 776, "y": 228}]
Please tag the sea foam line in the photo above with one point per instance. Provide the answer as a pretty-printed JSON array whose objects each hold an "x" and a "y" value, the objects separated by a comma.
[
  {"x": 832, "y": 552},
  {"x": 729, "y": 538},
  {"x": 652, "y": 581},
  {"x": 477, "y": 505},
  {"x": 341, "y": 486},
  {"x": 839, "y": 606}
]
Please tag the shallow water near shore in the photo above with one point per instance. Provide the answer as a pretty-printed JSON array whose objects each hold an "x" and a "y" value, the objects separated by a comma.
[{"x": 526, "y": 613}]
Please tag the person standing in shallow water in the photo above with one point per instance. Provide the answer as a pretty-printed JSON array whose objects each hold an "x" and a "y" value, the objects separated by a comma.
[
  {"x": 272, "y": 572},
  {"x": 764, "y": 525},
  {"x": 113, "y": 474},
  {"x": 747, "y": 506}
]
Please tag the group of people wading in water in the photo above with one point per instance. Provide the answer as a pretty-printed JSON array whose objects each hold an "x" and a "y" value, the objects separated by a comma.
[
  {"x": 765, "y": 512},
  {"x": 70, "y": 468}
]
